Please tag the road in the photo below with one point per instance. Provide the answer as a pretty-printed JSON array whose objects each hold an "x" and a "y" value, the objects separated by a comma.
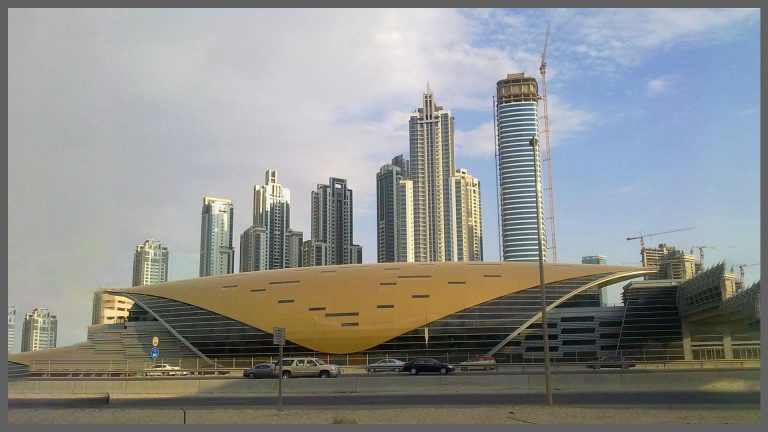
[{"x": 654, "y": 398}]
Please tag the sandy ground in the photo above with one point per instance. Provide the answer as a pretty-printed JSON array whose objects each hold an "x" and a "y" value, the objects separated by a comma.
[{"x": 393, "y": 415}]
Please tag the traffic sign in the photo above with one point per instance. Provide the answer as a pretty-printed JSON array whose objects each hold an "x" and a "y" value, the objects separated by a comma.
[
  {"x": 155, "y": 341},
  {"x": 154, "y": 352},
  {"x": 279, "y": 335}
]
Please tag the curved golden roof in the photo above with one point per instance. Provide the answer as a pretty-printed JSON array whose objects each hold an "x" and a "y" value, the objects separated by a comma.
[{"x": 350, "y": 308}]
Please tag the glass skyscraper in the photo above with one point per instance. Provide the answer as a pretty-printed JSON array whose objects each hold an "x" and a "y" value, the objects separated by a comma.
[
  {"x": 150, "y": 263},
  {"x": 517, "y": 123},
  {"x": 217, "y": 256}
]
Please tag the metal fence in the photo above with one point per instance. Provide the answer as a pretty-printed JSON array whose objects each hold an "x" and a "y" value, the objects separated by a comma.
[{"x": 194, "y": 366}]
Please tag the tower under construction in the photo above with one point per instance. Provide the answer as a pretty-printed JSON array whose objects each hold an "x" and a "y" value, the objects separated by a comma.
[{"x": 517, "y": 122}]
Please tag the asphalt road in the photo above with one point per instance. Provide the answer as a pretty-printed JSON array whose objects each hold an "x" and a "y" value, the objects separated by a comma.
[{"x": 436, "y": 400}]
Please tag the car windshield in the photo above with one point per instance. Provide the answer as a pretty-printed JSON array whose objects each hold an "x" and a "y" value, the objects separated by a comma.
[{"x": 320, "y": 362}]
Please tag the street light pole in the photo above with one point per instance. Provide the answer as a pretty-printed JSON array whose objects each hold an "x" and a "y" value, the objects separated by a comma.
[{"x": 544, "y": 327}]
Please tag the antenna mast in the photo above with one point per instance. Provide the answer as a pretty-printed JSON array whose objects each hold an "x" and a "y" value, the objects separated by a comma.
[{"x": 547, "y": 159}]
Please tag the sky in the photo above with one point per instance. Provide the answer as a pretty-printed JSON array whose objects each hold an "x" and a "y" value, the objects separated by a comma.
[{"x": 120, "y": 121}]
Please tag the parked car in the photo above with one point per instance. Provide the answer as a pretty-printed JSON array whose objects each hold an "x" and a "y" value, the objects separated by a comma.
[
  {"x": 610, "y": 362},
  {"x": 264, "y": 370},
  {"x": 419, "y": 365},
  {"x": 385, "y": 365},
  {"x": 162, "y": 369},
  {"x": 309, "y": 366},
  {"x": 478, "y": 362}
]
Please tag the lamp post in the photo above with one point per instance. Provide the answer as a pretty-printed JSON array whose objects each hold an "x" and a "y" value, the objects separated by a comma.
[{"x": 534, "y": 142}]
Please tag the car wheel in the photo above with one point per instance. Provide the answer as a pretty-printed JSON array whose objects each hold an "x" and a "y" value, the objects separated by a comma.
[
  {"x": 370, "y": 370},
  {"x": 251, "y": 375},
  {"x": 443, "y": 371},
  {"x": 286, "y": 375},
  {"x": 324, "y": 374},
  {"x": 413, "y": 371}
]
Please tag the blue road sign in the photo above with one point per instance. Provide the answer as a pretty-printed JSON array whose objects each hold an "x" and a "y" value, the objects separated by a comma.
[{"x": 154, "y": 352}]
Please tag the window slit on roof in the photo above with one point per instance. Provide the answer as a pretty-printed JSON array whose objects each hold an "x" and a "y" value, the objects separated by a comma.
[
  {"x": 386, "y": 306},
  {"x": 285, "y": 301},
  {"x": 336, "y": 314},
  {"x": 318, "y": 308},
  {"x": 387, "y": 283},
  {"x": 284, "y": 282},
  {"x": 456, "y": 282},
  {"x": 414, "y": 276},
  {"x": 492, "y": 276},
  {"x": 259, "y": 290},
  {"x": 229, "y": 286},
  {"x": 350, "y": 324},
  {"x": 420, "y": 296}
]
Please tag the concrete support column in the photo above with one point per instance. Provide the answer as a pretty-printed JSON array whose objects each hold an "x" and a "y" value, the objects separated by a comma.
[
  {"x": 687, "y": 351},
  {"x": 727, "y": 347}
]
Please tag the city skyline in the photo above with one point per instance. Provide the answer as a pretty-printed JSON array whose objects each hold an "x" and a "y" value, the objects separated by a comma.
[{"x": 214, "y": 115}]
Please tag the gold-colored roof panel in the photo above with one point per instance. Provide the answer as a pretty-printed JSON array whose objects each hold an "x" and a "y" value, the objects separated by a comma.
[{"x": 350, "y": 308}]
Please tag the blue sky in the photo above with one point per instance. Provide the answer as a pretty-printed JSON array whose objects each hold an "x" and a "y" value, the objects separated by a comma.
[{"x": 121, "y": 121}]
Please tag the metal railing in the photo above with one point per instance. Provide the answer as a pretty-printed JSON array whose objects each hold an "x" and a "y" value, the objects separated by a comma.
[{"x": 235, "y": 367}]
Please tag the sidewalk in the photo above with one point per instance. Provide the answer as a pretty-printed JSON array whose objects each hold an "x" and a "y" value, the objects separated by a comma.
[{"x": 704, "y": 414}]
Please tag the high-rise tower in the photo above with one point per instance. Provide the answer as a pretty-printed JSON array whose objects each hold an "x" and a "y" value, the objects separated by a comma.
[
  {"x": 39, "y": 332},
  {"x": 217, "y": 255},
  {"x": 517, "y": 123},
  {"x": 331, "y": 241},
  {"x": 469, "y": 223},
  {"x": 432, "y": 166},
  {"x": 150, "y": 263},
  {"x": 11, "y": 328},
  {"x": 394, "y": 217},
  {"x": 264, "y": 246}
]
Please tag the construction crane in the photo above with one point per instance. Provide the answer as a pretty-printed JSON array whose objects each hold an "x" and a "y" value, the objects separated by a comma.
[
  {"x": 741, "y": 270},
  {"x": 547, "y": 158},
  {"x": 643, "y": 236},
  {"x": 701, "y": 253}
]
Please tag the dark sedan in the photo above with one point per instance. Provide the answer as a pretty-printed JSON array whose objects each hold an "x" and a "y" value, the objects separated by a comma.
[
  {"x": 427, "y": 365},
  {"x": 265, "y": 370},
  {"x": 610, "y": 362}
]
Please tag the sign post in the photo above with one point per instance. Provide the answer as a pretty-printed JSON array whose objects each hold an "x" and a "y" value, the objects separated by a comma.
[{"x": 279, "y": 340}]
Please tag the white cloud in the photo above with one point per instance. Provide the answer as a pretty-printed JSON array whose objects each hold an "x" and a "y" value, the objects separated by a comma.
[
  {"x": 660, "y": 85},
  {"x": 621, "y": 37},
  {"x": 478, "y": 142}
]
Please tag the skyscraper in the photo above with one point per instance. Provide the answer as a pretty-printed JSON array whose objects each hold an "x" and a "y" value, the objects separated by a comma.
[
  {"x": 11, "y": 328},
  {"x": 405, "y": 240},
  {"x": 432, "y": 166},
  {"x": 517, "y": 123},
  {"x": 217, "y": 255},
  {"x": 469, "y": 223},
  {"x": 293, "y": 242},
  {"x": 593, "y": 259},
  {"x": 264, "y": 246},
  {"x": 670, "y": 263},
  {"x": 253, "y": 249},
  {"x": 394, "y": 217},
  {"x": 39, "y": 332},
  {"x": 150, "y": 263},
  {"x": 598, "y": 259},
  {"x": 331, "y": 241}
]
